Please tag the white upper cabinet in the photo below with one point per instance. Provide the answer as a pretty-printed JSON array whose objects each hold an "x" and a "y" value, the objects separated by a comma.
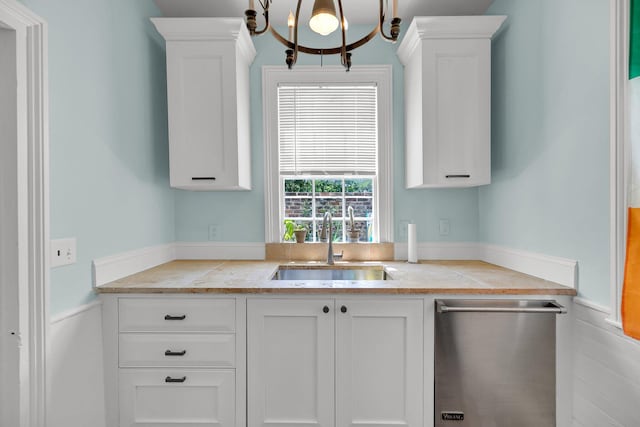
[
  {"x": 208, "y": 63},
  {"x": 447, "y": 79}
]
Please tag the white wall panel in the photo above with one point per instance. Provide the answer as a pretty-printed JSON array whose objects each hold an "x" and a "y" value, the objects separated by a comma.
[
  {"x": 606, "y": 373},
  {"x": 76, "y": 369}
]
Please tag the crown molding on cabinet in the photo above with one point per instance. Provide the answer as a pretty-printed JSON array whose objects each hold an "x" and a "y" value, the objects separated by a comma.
[{"x": 448, "y": 27}]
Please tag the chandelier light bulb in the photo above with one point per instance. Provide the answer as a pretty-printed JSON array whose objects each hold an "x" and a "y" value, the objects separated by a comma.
[{"x": 323, "y": 19}]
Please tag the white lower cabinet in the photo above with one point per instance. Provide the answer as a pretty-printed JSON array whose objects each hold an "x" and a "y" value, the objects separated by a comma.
[
  {"x": 173, "y": 361},
  {"x": 177, "y": 397},
  {"x": 351, "y": 362}
]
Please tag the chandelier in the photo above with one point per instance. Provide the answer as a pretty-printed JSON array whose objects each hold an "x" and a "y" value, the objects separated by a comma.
[{"x": 324, "y": 21}]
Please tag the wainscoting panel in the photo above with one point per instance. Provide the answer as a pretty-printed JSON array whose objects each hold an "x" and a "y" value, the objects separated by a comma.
[
  {"x": 76, "y": 370},
  {"x": 606, "y": 372}
]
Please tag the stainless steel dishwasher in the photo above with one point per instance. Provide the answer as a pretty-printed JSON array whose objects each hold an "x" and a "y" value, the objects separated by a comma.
[{"x": 495, "y": 363}]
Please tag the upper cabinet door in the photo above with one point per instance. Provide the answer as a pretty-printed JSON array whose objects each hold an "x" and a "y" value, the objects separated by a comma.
[
  {"x": 448, "y": 100},
  {"x": 290, "y": 363},
  {"x": 208, "y": 102},
  {"x": 379, "y": 354}
]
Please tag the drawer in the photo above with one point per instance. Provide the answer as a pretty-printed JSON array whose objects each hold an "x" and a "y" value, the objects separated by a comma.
[
  {"x": 176, "y": 315},
  {"x": 200, "y": 398},
  {"x": 151, "y": 350}
]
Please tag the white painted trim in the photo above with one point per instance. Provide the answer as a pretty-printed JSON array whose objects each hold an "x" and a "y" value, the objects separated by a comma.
[
  {"x": 220, "y": 250},
  {"x": 32, "y": 322},
  {"x": 619, "y": 146},
  {"x": 441, "y": 251},
  {"x": 117, "y": 266},
  {"x": 592, "y": 305},
  {"x": 274, "y": 75},
  {"x": 75, "y": 311},
  {"x": 555, "y": 269}
]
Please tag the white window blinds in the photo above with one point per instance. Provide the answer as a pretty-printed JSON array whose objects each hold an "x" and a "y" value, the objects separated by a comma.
[{"x": 328, "y": 129}]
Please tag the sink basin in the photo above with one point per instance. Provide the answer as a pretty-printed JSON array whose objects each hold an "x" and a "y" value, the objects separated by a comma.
[{"x": 330, "y": 273}]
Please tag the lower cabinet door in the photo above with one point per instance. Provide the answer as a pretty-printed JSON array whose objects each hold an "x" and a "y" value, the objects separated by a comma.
[
  {"x": 290, "y": 363},
  {"x": 379, "y": 354},
  {"x": 177, "y": 397}
]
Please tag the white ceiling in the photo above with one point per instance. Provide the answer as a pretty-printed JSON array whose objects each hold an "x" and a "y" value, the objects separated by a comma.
[{"x": 356, "y": 11}]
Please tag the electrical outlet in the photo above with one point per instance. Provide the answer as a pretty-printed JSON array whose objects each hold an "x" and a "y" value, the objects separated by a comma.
[
  {"x": 213, "y": 232},
  {"x": 403, "y": 226},
  {"x": 63, "y": 252},
  {"x": 445, "y": 227}
]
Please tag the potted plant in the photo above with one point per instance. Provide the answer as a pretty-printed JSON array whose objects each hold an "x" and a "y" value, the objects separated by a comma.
[{"x": 294, "y": 230}]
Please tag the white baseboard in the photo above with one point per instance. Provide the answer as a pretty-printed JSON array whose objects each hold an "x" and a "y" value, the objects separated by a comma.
[
  {"x": 219, "y": 250},
  {"x": 440, "y": 250},
  {"x": 554, "y": 269},
  {"x": 117, "y": 266}
]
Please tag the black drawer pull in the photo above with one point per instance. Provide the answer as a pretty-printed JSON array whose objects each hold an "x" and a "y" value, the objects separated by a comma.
[
  {"x": 325, "y": 309},
  {"x": 343, "y": 309},
  {"x": 175, "y": 353},
  {"x": 457, "y": 176},
  {"x": 170, "y": 317},
  {"x": 203, "y": 178},
  {"x": 175, "y": 380}
]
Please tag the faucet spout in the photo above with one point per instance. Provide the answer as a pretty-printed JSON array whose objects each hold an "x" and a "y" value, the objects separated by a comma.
[{"x": 329, "y": 235}]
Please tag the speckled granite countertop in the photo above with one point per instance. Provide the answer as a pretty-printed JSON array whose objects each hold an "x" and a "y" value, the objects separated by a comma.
[{"x": 427, "y": 277}]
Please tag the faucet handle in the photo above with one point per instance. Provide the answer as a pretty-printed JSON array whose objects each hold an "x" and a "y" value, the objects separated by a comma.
[{"x": 338, "y": 256}]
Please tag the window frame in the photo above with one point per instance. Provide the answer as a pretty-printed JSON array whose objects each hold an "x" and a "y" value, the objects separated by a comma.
[{"x": 381, "y": 76}]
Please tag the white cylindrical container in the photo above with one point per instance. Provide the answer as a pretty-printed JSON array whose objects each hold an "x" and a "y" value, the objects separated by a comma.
[{"x": 413, "y": 243}]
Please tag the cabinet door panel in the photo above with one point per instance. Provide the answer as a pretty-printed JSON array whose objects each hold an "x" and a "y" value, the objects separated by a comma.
[
  {"x": 290, "y": 363},
  {"x": 379, "y": 363},
  {"x": 204, "y": 399},
  {"x": 457, "y": 74}
]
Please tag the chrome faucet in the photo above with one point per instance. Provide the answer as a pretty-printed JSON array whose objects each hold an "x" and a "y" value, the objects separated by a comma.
[{"x": 329, "y": 236}]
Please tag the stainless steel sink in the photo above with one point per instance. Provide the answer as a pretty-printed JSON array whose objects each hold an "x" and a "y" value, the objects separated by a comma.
[{"x": 330, "y": 273}]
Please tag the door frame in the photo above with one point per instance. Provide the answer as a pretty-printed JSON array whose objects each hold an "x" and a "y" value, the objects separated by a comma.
[{"x": 26, "y": 319}]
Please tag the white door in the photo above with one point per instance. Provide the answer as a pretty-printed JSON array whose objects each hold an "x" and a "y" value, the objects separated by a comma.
[
  {"x": 290, "y": 363},
  {"x": 379, "y": 349}
]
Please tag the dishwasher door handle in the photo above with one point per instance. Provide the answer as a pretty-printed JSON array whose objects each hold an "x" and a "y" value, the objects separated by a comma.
[{"x": 550, "y": 307}]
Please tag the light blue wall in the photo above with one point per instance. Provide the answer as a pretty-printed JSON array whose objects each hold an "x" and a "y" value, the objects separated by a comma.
[
  {"x": 550, "y": 190},
  {"x": 241, "y": 214},
  {"x": 108, "y": 136}
]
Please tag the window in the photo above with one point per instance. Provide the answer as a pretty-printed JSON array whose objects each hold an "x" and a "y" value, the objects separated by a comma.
[
  {"x": 328, "y": 147},
  {"x": 306, "y": 199}
]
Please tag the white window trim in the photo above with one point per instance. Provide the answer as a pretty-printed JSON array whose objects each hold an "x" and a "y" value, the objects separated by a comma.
[
  {"x": 619, "y": 150},
  {"x": 381, "y": 75}
]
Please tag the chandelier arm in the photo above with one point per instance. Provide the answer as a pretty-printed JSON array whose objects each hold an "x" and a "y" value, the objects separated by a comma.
[
  {"x": 328, "y": 51},
  {"x": 343, "y": 48},
  {"x": 395, "y": 26},
  {"x": 251, "y": 21},
  {"x": 381, "y": 22},
  {"x": 295, "y": 33}
]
